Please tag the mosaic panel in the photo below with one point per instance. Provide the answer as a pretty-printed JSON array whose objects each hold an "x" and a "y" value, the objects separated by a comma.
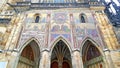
[
  {"x": 65, "y": 28},
  {"x": 67, "y": 36},
  {"x": 55, "y": 28},
  {"x": 94, "y": 35},
  {"x": 59, "y": 28},
  {"x": 26, "y": 36},
  {"x": 80, "y": 32},
  {"x": 35, "y": 27},
  {"x": 60, "y": 18},
  {"x": 92, "y": 32},
  {"x": 35, "y": 31},
  {"x": 53, "y": 36}
]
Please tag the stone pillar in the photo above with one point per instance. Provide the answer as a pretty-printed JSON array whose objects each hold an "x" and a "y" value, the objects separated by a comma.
[
  {"x": 77, "y": 60},
  {"x": 12, "y": 58},
  {"x": 115, "y": 56},
  {"x": 108, "y": 60},
  {"x": 45, "y": 60}
]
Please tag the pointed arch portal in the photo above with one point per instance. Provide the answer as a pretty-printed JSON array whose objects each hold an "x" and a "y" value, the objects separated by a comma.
[
  {"x": 30, "y": 56},
  {"x": 91, "y": 56},
  {"x": 61, "y": 57}
]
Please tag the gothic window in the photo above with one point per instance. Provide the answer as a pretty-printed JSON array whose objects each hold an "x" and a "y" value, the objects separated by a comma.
[
  {"x": 83, "y": 18},
  {"x": 37, "y": 19}
]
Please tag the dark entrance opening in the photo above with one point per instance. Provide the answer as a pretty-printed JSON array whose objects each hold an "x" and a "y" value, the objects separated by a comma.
[
  {"x": 92, "y": 58},
  {"x": 61, "y": 57},
  {"x": 30, "y": 56}
]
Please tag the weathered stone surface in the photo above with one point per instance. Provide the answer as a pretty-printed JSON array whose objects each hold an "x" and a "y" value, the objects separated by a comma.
[{"x": 79, "y": 29}]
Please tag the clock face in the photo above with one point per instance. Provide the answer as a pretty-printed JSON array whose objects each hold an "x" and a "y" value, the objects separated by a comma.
[{"x": 60, "y": 17}]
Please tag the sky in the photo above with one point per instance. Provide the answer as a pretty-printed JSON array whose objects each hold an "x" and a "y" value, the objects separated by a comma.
[
  {"x": 3, "y": 64},
  {"x": 116, "y": 1},
  {"x": 112, "y": 9}
]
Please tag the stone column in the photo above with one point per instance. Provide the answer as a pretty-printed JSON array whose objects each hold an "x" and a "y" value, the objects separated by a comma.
[
  {"x": 108, "y": 60},
  {"x": 77, "y": 60},
  {"x": 12, "y": 58},
  {"x": 45, "y": 60},
  {"x": 115, "y": 58}
]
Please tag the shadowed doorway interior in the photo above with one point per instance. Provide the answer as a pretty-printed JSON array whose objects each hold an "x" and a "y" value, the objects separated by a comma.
[
  {"x": 92, "y": 58},
  {"x": 61, "y": 57},
  {"x": 30, "y": 56}
]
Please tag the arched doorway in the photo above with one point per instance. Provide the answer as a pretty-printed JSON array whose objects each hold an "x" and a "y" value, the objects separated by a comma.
[
  {"x": 30, "y": 56},
  {"x": 92, "y": 57},
  {"x": 61, "y": 57}
]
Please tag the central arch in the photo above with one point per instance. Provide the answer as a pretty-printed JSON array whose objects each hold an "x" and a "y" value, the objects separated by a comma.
[{"x": 61, "y": 56}]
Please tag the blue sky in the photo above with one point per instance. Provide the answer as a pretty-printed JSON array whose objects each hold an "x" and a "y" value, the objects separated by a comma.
[
  {"x": 112, "y": 9},
  {"x": 116, "y": 1},
  {"x": 3, "y": 64}
]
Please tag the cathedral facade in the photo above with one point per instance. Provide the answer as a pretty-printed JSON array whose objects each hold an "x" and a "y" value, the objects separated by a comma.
[{"x": 57, "y": 34}]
